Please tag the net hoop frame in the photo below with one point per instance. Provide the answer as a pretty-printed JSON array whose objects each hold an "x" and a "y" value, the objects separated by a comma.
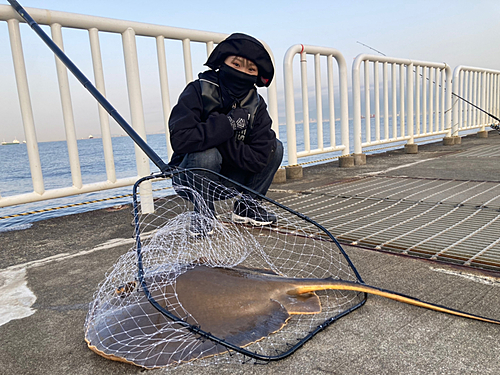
[{"x": 196, "y": 329}]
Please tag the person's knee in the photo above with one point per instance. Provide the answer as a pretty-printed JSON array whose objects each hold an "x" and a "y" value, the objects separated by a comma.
[
  {"x": 278, "y": 154},
  {"x": 209, "y": 159}
]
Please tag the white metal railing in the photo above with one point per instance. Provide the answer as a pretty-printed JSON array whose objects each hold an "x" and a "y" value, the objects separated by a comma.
[
  {"x": 129, "y": 31},
  {"x": 415, "y": 102},
  {"x": 330, "y": 54},
  {"x": 409, "y": 99},
  {"x": 480, "y": 87}
]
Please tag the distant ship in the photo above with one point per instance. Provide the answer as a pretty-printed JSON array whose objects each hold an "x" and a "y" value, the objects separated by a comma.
[
  {"x": 14, "y": 142},
  {"x": 91, "y": 136}
]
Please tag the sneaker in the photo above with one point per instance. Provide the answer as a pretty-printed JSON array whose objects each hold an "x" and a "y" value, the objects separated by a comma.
[
  {"x": 201, "y": 226},
  {"x": 249, "y": 211}
]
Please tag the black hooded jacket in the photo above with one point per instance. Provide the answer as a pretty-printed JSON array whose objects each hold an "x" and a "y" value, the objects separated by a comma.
[{"x": 193, "y": 130}]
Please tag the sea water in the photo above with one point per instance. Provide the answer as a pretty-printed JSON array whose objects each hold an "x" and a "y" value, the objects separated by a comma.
[{"x": 15, "y": 175}]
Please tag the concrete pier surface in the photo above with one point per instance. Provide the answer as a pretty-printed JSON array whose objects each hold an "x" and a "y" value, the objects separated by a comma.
[{"x": 49, "y": 273}]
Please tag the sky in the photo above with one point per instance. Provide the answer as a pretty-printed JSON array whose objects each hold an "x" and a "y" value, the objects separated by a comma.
[{"x": 456, "y": 32}]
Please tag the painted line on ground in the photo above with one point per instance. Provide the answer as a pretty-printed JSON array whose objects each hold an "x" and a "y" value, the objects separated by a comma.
[
  {"x": 16, "y": 298},
  {"x": 488, "y": 280},
  {"x": 399, "y": 167},
  {"x": 64, "y": 256}
]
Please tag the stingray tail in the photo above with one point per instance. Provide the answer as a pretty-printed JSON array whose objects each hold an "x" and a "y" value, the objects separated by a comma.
[{"x": 332, "y": 284}]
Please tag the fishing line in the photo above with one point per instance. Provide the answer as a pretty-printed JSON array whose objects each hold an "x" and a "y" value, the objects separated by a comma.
[{"x": 373, "y": 49}]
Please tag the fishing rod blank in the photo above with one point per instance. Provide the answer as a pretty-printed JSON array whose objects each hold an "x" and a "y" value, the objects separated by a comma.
[{"x": 153, "y": 156}]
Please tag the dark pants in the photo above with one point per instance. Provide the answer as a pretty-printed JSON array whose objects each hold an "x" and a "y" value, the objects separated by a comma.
[{"x": 211, "y": 159}]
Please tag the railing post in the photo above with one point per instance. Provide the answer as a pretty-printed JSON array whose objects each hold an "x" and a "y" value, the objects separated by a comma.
[
  {"x": 272, "y": 97},
  {"x": 188, "y": 65},
  {"x": 386, "y": 100},
  {"x": 468, "y": 95},
  {"x": 331, "y": 100},
  {"x": 368, "y": 129},
  {"x": 424, "y": 99},
  {"x": 436, "y": 95},
  {"x": 210, "y": 47},
  {"x": 402, "y": 120},
  {"x": 103, "y": 115},
  {"x": 417, "y": 81},
  {"x": 483, "y": 100},
  {"x": 376, "y": 94},
  {"x": 356, "y": 105},
  {"x": 26, "y": 108},
  {"x": 137, "y": 115},
  {"x": 305, "y": 100},
  {"x": 290, "y": 104},
  {"x": 455, "y": 117},
  {"x": 442, "y": 104},
  {"x": 411, "y": 147},
  {"x": 394, "y": 102},
  {"x": 344, "y": 104},
  {"x": 165, "y": 95},
  {"x": 409, "y": 102},
  {"x": 319, "y": 104},
  {"x": 449, "y": 102},
  {"x": 67, "y": 108}
]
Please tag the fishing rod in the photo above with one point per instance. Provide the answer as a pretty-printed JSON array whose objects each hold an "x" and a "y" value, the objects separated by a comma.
[
  {"x": 494, "y": 126},
  {"x": 373, "y": 49},
  {"x": 153, "y": 156}
]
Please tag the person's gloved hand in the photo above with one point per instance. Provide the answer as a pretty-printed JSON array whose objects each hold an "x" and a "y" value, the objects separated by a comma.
[{"x": 238, "y": 118}]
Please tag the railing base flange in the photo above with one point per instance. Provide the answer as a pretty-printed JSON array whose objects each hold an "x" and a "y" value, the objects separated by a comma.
[
  {"x": 411, "y": 148},
  {"x": 482, "y": 134},
  {"x": 359, "y": 159}
]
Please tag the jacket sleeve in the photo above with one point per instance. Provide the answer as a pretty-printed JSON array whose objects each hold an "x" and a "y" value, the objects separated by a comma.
[
  {"x": 187, "y": 131},
  {"x": 253, "y": 153}
]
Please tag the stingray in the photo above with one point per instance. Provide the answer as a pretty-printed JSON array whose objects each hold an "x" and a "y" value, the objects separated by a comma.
[{"x": 238, "y": 305}]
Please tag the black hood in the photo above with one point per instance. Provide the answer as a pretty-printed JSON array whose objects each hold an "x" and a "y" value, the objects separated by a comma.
[{"x": 243, "y": 45}]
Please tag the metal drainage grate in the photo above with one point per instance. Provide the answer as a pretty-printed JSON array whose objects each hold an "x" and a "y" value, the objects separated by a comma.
[
  {"x": 447, "y": 220},
  {"x": 491, "y": 151}
]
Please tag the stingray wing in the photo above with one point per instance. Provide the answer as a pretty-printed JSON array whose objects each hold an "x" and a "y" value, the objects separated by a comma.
[
  {"x": 240, "y": 306},
  {"x": 137, "y": 333}
]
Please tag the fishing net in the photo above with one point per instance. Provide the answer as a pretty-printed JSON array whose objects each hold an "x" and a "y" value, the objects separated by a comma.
[{"x": 202, "y": 285}]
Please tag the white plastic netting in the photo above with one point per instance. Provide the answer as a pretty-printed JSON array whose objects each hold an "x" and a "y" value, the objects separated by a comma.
[{"x": 219, "y": 274}]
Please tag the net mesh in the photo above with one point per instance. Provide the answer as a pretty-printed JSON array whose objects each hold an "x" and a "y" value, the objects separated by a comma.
[{"x": 211, "y": 225}]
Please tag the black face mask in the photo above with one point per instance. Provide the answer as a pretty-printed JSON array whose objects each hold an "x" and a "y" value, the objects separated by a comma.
[{"x": 237, "y": 83}]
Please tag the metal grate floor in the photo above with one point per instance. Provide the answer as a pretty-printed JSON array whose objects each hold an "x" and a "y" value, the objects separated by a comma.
[
  {"x": 447, "y": 220},
  {"x": 489, "y": 151}
]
